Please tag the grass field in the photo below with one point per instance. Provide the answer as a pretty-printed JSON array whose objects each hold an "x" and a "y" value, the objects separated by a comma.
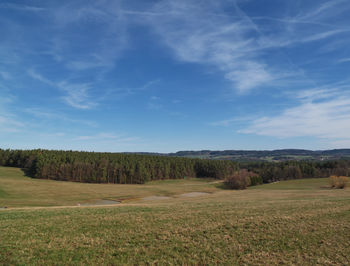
[
  {"x": 17, "y": 190},
  {"x": 292, "y": 222}
]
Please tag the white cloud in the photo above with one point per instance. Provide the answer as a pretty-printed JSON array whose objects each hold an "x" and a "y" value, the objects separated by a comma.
[
  {"x": 317, "y": 94},
  {"x": 99, "y": 50},
  {"x": 224, "y": 123},
  {"x": 322, "y": 35},
  {"x": 217, "y": 34},
  {"x": 250, "y": 75},
  {"x": 321, "y": 114},
  {"x": 9, "y": 121},
  {"x": 45, "y": 114},
  {"x": 344, "y": 60},
  {"x": 233, "y": 43},
  {"x": 109, "y": 137},
  {"x": 227, "y": 43},
  {"x": 322, "y": 10},
  {"x": 21, "y": 7},
  {"x": 98, "y": 136},
  {"x": 77, "y": 95},
  {"x": 154, "y": 103},
  {"x": 8, "y": 124},
  {"x": 37, "y": 76}
]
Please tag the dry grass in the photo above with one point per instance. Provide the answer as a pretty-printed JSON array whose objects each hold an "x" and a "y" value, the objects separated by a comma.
[
  {"x": 17, "y": 190},
  {"x": 294, "y": 222}
]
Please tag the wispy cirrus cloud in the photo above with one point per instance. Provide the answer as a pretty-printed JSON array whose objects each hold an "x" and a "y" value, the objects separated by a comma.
[
  {"x": 230, "y": 41},
  {"x": 37, "y": 76},
  {"x": 48, "y": 115},
  {"x": 154, "y": 103},
  {"x": 110, "y": 137},
  {"x": 21, "y": 7},
  {"x": 64, "y": 50},
  {"x": 322, "y": 10},
  {"x": 222, "y": 42},
  {"x": 344, "y": 60},
  {"x": 10, "y": 124},
  {"x": 228, "y": 122},
  {"x": 76, "y": 93},
  {"x": 98, "y": 52},
  {"x": 9, "y": 121},
  {"x": 233, "y": 42},
  {"x": 323, "y": 35},
  {"x": 324, "y": 114}
]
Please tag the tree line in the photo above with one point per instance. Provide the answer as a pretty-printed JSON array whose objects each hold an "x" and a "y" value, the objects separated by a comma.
[
  {"x": 122, "y": 168},
  {"x": 119, "y": 168},
  {"x": 271, "y": 172}
]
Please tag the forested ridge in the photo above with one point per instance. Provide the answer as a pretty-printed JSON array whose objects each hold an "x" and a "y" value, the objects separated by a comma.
[
  {"x": 267, "y": 155},
  {"x": 287, "y": 170},
  {"x": 122, "y": 168},
  {"x": 117, "y": 168}
]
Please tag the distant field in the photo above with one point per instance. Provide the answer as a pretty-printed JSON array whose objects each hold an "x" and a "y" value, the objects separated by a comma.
[
  {"x": 18, "y": 190},
  {"x": 299, "y": 222}
]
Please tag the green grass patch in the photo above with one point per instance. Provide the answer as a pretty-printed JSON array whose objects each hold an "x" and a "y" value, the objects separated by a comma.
[
  {"x": 300, "y": 184},
  {"x": 225, "y": 229}
]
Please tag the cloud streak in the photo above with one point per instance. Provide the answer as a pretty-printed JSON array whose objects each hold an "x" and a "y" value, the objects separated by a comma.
[
  {"x": 45, "y": 114},
  {"x": 109, "y": 137},
  {"x": 76, "y": 93},
  {"x": 8, "y": 124},
  {"x": 21, "y": 7},
  {"x": 324, "y": 114},
  {"x": 233, "y": 44},
  {"x": 220, "y": 42}
]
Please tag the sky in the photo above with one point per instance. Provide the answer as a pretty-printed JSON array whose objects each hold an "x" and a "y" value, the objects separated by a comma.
[{"x": 164, "y": 76}]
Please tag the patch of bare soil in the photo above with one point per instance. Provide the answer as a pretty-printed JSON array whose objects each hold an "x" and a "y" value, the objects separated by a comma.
[
  {"x": 100, "y": 202},
  {"x": 156, "y": 198},
  {"x": 193, "y": 194}
]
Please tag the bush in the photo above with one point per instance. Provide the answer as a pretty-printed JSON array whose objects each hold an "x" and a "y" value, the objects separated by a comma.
[
  {"x": 238, "y": 180},
  {"x": 338, "y": 181}
]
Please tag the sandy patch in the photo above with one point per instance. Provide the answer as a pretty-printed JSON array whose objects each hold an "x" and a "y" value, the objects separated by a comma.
[
  {"x": 156, "y": 198},
  {"x": 100, "y": 202},
  {"x": 194, "y": 194}
]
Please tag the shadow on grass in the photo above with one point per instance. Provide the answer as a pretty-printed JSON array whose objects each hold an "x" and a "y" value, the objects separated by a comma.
[
  {"x": 222, "y": 186},
  {"x": 27, "y": 172},
  {"x": 326, "y": 187}
]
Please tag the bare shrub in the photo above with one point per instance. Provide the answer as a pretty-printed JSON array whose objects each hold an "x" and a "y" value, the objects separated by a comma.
[
  {"x": 338, "y": 181},
  {"x": 333, "y": 180},
  {"x": 238, "y": 180}
]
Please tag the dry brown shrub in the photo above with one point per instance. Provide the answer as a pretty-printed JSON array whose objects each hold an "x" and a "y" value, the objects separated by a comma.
[
  {"x": 238, "y": 180},
  {"x": 338, "y": 181}
]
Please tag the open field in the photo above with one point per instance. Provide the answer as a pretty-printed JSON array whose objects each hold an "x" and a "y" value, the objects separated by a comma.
[
  {"x": 290, "y": 222},
  {"x": 17, "y": 190}
]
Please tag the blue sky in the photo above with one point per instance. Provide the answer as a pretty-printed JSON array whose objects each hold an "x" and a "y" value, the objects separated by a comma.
[{"x": 163, "y": 76}]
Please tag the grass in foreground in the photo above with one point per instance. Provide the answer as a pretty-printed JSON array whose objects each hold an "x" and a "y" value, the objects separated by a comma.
[{"x": 304, "y": 225}]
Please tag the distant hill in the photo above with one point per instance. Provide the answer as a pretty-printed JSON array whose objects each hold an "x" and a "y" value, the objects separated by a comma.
[{"x": 266, "y": 155}]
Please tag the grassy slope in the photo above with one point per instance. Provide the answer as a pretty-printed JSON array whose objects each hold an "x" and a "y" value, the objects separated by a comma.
[
  {"x": 17, "y": 190},
  {"x": 293, "y": 222}
]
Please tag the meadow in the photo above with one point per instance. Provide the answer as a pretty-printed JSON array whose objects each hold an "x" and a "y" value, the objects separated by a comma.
[{"x": 287, "y": 222}]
